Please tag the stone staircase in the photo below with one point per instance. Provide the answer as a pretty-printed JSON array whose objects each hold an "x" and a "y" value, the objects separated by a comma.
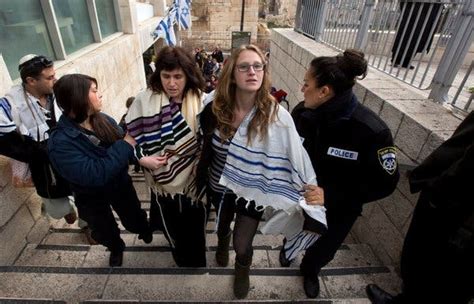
[{"x": 63, "y": 268}]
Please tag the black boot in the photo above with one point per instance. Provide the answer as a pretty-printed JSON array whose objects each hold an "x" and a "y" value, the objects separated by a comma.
[
  {"x": 241, "y": 280},
  {"x": 222, "y": 252},
  {"x": 146, "y": 236},
  {"x": 377, "y": 295},
  {"x": 311, "y": 287},
  {"x": 116, "y": 258}
]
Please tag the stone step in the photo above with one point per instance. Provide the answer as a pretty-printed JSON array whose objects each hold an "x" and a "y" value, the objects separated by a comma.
[
  {"x": 30, "y": 301},
  {"x": 326, "y": 301},
  {"x": 149, "y": 256},
  {"x": 96, "y": 301},
  {"x": 61, "y": 223},
  {"x": 75, "y": 284}
]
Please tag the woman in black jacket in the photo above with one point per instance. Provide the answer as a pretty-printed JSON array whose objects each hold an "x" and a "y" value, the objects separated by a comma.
[
  {"x": 87, "y": 149},
  {"x": 351, "y": 150}
]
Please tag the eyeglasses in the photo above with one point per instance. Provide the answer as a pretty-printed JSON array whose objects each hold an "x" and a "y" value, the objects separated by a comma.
[
  {"x": 38, "y": 61},
  {"x": 245, "y": 67}
]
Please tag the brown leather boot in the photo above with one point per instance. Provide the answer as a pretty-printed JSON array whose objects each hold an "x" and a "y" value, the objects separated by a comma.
[
  {"x": 222, "y": 252},
  {"x": 241, "y": 280}
]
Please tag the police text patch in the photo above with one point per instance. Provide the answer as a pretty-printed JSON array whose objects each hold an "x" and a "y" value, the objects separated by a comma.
[
  {"x": 341, "y": 153},
  {"x": 388, "y": 159}
]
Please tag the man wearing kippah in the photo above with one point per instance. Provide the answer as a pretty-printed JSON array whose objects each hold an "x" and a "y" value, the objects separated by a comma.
[{"x": 27, "y": 113}]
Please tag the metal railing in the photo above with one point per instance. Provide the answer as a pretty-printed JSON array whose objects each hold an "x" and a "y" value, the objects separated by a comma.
[
  {"x": 461, "y": 90},
  {"x": 422, "y": 43}
]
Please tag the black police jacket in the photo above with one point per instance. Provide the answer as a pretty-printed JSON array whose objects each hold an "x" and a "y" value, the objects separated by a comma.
[{"x": 351, "y": 150}]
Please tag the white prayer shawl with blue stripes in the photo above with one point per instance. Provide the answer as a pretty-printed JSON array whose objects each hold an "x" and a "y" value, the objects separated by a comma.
[
  {"x": 27, "y": 114},
  {"x": 6, "y": 120},
  {"x": 273, "y": 170}
]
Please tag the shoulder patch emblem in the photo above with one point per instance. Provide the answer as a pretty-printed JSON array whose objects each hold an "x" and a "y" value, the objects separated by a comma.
[{"x": 388, "y": 159}]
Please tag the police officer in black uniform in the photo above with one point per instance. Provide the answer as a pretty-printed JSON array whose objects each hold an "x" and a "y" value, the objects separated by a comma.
[
  {"x": 438, "y": 254},
  {"x": 351, "y": 150}
]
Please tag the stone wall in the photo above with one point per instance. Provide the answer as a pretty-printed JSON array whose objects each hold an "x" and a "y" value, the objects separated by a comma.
[
  {"x": 418, "y": 125},
  {"x": 214, "y": 20},
  {"x": 21, "y": 221}
]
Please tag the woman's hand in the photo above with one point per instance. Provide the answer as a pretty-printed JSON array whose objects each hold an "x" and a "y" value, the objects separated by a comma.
[
  {"x": 153, "y": 162},
  {"x": 314, "y": 195},
  {"x": 129, "y": 139}
]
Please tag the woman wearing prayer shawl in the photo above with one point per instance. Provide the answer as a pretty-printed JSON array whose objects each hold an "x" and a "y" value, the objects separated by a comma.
[
  {"x": 351, "y": 149},
  {"x": 253, "y": 158},
  {"x": 163, "y": 121}
]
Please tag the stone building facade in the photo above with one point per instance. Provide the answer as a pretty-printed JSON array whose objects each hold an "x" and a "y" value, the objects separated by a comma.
[{"x": 213, "y": 22}]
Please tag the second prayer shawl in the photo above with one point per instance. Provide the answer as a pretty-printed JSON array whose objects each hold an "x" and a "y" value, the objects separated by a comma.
[{"x": 160, "y": 127}]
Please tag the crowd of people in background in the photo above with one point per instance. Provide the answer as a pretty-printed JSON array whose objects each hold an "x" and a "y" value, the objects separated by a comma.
[
  {"x": 210, "y": 65},
  {"x": 239, "y": 151}
]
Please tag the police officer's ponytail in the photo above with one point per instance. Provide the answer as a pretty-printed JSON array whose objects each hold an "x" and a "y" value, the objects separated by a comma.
[{"x": 339, "y": 72}]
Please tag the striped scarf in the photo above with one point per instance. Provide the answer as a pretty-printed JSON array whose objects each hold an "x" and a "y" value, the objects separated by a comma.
[
  {"x": 160, "y": 127},
  {"x": 273, "y": 170}
]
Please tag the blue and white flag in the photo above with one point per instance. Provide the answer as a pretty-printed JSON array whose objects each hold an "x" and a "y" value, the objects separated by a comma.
[
  {"x": 165, "y": 30},
  {"x": 183, "y": 13},
  {"x": 179, "y": 13},
  {"x": 170, "y": 19}
]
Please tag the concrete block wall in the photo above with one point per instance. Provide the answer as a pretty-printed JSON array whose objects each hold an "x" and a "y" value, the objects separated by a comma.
[
  {"x": 21, "y": 221},
  {"x": 418, "y": 126},
  {"x": 118, "y": 68}
]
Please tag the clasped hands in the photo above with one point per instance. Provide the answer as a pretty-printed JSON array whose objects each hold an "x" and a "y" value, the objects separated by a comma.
[{"x": 149, "y": 162}]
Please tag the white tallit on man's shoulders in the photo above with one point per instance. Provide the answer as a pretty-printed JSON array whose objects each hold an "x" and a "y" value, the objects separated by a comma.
[
  {"x": 273, "y": 170},
  {"x": 27, "y": 114}
]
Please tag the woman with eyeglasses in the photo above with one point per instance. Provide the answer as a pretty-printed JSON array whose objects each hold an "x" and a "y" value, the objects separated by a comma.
[
  {"x": 252, "y": 159},
  {"x": 164, "y": 122},
  {"x": 87, "y": 148}
]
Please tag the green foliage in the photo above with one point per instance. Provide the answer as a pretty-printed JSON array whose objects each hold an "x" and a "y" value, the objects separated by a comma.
[{"x": 272, "y": 24}]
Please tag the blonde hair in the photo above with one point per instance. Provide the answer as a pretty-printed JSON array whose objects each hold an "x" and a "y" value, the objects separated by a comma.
[{"x": 224, "y": 100}]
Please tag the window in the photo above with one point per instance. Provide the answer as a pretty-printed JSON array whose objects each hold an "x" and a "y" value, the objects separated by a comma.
[
  {"x": 22, "y": 31},
  {"x": 106, "y": 14},
  {"x": 74, "y": 24},
  {"x": 27, "y": 27}
]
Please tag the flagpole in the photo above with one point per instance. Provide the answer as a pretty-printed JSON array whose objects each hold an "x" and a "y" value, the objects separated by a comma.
[{"x": 242, "y": 16}]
